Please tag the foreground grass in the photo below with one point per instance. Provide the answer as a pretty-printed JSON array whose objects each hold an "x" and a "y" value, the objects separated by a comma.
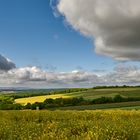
[{"x": 70, "y": 125}]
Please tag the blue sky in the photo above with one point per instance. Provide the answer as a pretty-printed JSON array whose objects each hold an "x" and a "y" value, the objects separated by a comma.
[
  {"x": 32, "y": 35},
  {"x": 75, "y": 47}
]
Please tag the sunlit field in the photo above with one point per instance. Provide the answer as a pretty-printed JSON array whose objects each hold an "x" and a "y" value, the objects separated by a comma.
[
  {"x": 39, "y": 98},
  {"x": 70, "y": 125},
  {"x": 89, "y": 94}
]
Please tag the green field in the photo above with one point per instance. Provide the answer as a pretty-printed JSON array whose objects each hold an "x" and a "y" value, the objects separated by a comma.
[
  {"x": 123, "y": 105},
  {"x": 70, "y": 125},
  {"x": 89, "y": 94},
  {"x": 108, "y": 92}
]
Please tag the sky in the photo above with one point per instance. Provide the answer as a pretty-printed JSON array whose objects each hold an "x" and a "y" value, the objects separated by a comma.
[{"x": 57, "y": 43}]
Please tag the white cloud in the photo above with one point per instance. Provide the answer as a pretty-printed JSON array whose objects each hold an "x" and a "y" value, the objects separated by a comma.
[
  {"x": 28, "y": 74},
  {"x": 123, "y": 74},
  {"x": 114, "y": 25},
  {"x": 36, "y": 77}
]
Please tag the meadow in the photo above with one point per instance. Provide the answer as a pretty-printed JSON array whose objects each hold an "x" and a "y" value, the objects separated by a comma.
[
  {"x": 110, "y": 121},
  {"x": 123, "y": 105},
  {"x": 89, "y": 94},
  {"x": 70, "y": 125}
]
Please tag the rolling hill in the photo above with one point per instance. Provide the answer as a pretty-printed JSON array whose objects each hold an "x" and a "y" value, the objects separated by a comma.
[{"x": 89, "y": 94}]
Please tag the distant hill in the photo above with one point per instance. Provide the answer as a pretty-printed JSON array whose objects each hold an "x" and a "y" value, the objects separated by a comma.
[{"x": 89, "y": 94}]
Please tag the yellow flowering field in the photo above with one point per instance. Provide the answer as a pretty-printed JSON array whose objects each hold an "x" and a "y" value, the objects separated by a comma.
[
  {"x": 32, "y": 100},
  {"x": 70, "y": 125}
]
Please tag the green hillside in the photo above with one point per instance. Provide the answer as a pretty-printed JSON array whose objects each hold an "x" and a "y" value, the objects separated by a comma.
[
  {"x": 108, "y": 92},
  {"x": 89, "y": 94}
]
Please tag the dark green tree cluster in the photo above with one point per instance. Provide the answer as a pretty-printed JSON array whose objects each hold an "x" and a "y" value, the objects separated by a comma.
[
  {"x": 8, "y": 103},
  {"x": 63, "y": 102},
  {"x": 116, "y": 99},
  {"x": 59, "y": 102},
  {"x": 123, "y": 86}
]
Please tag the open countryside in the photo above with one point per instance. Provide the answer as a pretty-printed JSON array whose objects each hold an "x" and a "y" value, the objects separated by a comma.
[
  {"x": 69, "y": 69},
  {"x": 88, "y": 95},
  {"x": 31, "y": 100}
]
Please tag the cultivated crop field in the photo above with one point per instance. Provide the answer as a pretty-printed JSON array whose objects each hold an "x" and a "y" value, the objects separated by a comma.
[
  {"x": 123, "y": 105},
  {"x": 108, "y": 92},
  {"x": 70, "y": 125},
  {"x": 39, "y": 98},
  {"x": 89, "y": 94}
]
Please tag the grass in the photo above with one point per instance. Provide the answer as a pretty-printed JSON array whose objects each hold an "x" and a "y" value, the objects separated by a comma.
[
  {"x": 89, "y": 94},
  {"x": 123, "y": 105},
  {"x": 108, "y": 92},
  {"x": 129, "y": 108},
  {"x": 70, "y": 125}
]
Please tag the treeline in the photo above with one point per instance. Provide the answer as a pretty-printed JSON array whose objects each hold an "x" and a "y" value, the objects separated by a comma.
[
  {"x": 7, "y": 103},
  {"x": 116, "y": 99},
  {"x": 43, "y": 92},
  {"x": 55, "y": 103},
  {"x": 32, "y": 93},
  {"x": 123, "y": 86},
  {"x": 64, "y": 102}
]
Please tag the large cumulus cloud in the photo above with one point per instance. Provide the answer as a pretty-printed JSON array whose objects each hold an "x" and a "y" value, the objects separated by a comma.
[
  {"x": 6, "y": 64},
  {"x": 114, "y": 25}
]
